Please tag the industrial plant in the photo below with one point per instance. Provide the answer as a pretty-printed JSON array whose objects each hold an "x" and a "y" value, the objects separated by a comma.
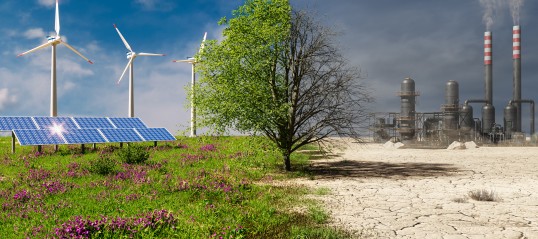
[{"x": 456, "y": 120}]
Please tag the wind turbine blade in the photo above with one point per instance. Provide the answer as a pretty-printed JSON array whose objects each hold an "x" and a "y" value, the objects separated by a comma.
[
  {"x": 76, "y": 52},
  {"x": 57, "y": 20},
  {"x": 149, "y": 54},
  {"x": 123, "y": 39},
  {"x": 37, "y": 48},
  {"x": 188, "y": 61},
  {"x": 127, "y": 67},
  {"x": 203, "y": 42}
]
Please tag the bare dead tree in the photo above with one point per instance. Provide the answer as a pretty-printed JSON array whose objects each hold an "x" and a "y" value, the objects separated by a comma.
[{"x": 326, "y": 96}]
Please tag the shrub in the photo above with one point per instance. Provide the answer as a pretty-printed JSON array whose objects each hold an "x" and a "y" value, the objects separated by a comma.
[
  {"x": 483, "y": 195},
  {"x": 133, "y": 154},
  {"x": 103, "y": 165}
]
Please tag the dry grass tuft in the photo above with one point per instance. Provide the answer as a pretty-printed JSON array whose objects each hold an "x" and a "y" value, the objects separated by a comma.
[{"x": 484, "y": 195}]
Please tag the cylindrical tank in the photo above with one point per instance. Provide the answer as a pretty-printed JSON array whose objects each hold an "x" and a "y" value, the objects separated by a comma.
[
  {"x": 450, "y": 109},
  {"x": 510, "y": 119},
  {"x": 488, "y": 118},
  {"x": 452, "y": 93},
  {"x": 407, "y": 109},
  {"x": 466, "y": 118}
]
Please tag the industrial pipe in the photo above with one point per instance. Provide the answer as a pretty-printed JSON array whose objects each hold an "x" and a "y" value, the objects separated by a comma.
[
  {"x": 475, "y": 101},
  {"x": 531, "y": 102}
]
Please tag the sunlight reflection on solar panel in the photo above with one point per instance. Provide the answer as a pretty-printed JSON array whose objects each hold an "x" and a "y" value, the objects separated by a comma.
[
  {"x": 47, "y": 122},
  {"x": 37, "y": 137}
]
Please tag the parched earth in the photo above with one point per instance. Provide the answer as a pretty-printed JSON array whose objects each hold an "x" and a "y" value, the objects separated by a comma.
[{"x": 380, "y": 192}]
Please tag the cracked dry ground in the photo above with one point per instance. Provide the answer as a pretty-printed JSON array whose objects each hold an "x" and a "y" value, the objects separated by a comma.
[{"x": 411, "y": 193}]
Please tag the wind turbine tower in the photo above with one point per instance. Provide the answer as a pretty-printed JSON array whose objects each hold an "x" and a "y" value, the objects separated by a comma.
[
  {"x": 131, "y": 55},
  {"x": 192, "y": 61},
  {"x": 53, "y": 41}
]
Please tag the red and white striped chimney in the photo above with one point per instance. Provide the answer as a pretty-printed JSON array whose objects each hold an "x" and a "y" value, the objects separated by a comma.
[
  {"x": 516, "y": 56},
  {"x": 487, "y": 48},
  {"x": 488, "y": 60},
  {"x": 516, "y": 46}
]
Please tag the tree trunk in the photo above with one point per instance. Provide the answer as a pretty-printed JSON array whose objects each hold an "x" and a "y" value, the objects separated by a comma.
[{"x": 287, "y": 163}]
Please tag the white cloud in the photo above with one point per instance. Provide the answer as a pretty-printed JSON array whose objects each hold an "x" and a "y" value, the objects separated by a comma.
[
  {"x": 47, "y": 3},
  {"x": 156, "y": 5},
  {"x": 6, "y": 98},
  {"x": 74, "y": 68},
  {"x": 34, "y": 33},
  {"x": 150, "y": 4}
]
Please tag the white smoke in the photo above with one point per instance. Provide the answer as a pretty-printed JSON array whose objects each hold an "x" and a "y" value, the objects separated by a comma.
[
  {"x": 491, "y": 8},
  {"x": 515, "y": 8}
]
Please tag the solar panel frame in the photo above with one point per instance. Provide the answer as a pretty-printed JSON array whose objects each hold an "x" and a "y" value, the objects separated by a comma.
[
  {"x": 38, "y": 137},
  {"x": 121, "y": 135},
  {"x": 83, "y": 136},
  {"x": 155, "y": 134},
  {"x": 93, "y": 122},
  {"x": 128, "y": 123},
  {"x": 16, "y": 122},
  {"x": 47, "y": 122}
]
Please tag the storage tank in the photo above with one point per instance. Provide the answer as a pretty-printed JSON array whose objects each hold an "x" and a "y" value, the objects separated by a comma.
[
  {"x": 452, "y": 93},
  {"x": 450, "y": 108},
  {"x": 466, "y": 118},
  {"x": 488, "y": 118},
  {"x": 407, "y": 109},
  {"x": 510, "y": 119}
]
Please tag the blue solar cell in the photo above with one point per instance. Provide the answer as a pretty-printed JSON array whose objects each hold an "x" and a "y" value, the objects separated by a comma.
[
  {"x": 11, "y": 123},
  {"x": 83, "y": 136},
  {"x": 128, "y": 123},
  {"x": 48, "y": 122},
  {"x": 93, "y": 123},
  {"x": 37, "y": 137},
  {"x": 121, "y": 135},
  {"x": 156, "y": 134}
]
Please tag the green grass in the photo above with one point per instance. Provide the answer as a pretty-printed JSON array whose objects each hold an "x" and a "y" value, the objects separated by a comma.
[{"x": 202, "y": 187}]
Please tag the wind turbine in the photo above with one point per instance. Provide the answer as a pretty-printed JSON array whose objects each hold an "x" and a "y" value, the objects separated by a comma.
[
  {"x": 192, "y": 61},
  {"x": 131, "y": 55},
  {"x": 53, "y": 41}
]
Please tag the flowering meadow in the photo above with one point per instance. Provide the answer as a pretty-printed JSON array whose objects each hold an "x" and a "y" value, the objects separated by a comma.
[{"x": 205, "y": 187}]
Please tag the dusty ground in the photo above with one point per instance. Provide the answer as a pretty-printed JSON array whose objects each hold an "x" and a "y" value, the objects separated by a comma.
[{"x": 410, "y": 193}]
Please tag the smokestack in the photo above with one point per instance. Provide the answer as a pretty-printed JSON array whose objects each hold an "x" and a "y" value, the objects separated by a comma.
[
  {"x": 488, "y": 81},
  {"x": 516, "y": 55}
]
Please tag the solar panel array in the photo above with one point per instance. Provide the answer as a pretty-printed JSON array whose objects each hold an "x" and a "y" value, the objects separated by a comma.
[
  {"x": 81, "y": 130},
  {"x": 11, "y": 123}
]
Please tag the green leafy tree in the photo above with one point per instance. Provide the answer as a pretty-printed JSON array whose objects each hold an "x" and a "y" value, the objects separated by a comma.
[{"x": 278, "y": 73}]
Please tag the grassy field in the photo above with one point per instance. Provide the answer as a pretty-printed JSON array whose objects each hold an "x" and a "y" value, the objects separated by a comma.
[{"x": 205, "y": 187}]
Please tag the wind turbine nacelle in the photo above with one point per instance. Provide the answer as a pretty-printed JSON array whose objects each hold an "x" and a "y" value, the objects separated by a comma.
[
  {"x": 51, "y": 38},
  {"x": 130, "y": 54}
]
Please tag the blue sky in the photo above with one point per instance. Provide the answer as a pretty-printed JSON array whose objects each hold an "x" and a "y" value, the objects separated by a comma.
[{"x": 430, "y": 41}]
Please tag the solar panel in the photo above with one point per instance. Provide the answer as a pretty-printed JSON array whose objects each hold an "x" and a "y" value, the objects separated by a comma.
[
  {"x": 128, "y": 123},
  {"x": 11, "y": 123},
  {"x": 48, "y": 122},
  {"x": 93, "y": 123},
  {"x": 83, "y": 136},
  {"x": 156, "y": 134},
  {"x": 37, "y": 137},
  {"x": 121, "y": 135}
]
